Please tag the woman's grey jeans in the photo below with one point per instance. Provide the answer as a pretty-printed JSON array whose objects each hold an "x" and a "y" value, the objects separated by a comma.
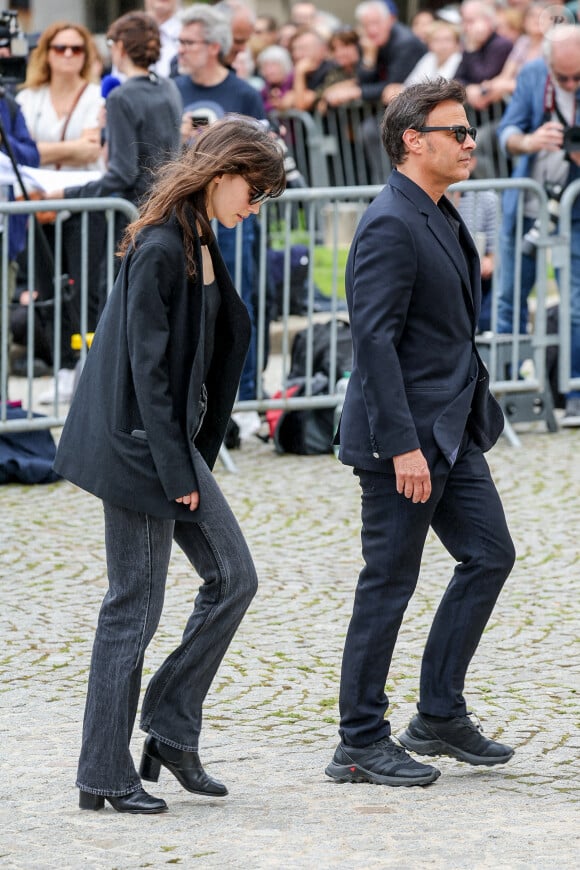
[{"x": 138, "y": 548}]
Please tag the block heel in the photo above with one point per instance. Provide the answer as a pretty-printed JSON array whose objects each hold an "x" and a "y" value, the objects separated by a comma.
[
  {"x": 150, "y": 767},
  {"x": 134, "y": 802},
  {"x": 88, "y": 801}
]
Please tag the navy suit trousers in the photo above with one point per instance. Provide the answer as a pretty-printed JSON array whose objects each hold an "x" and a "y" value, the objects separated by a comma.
[{"x": 466, "y": 513}]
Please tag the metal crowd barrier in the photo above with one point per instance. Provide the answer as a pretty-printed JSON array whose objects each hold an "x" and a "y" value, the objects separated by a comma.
[
  {"x": 306, "y": 144},
  {"x": 492, "y": 162},
  {"x": 330, "y": 215},
  {"x": 523, "y": 391},
  {"x": 358, "y": 156},
  {"x": 111, "y": 207},
  {"x": 342, "y": 146},
  {"x": 562, "y": 260}
]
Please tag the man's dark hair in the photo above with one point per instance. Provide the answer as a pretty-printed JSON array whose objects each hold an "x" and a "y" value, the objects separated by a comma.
[{"x": 410, "y": 109}]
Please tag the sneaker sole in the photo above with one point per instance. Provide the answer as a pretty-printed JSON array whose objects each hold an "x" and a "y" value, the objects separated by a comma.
[
  {"x": 354, "y": 773},
  {"x": 439, "y": 747}
]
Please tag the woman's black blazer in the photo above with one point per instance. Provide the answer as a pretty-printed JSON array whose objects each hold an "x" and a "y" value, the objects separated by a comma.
[{"x": 129, "y": 434}]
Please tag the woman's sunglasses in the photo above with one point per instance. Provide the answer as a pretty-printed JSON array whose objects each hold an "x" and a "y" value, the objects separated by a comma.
[
  {"x": 258, "y": 196},
  {"x": 62, "y": 49}
]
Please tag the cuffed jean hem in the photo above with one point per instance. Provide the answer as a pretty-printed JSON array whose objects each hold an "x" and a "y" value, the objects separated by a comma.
[
  {"x": 103, "y": 793},
  {"x": 183, "y": 747}
]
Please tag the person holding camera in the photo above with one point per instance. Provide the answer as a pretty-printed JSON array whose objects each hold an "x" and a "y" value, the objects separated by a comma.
[{"x": 541, "y": 126}]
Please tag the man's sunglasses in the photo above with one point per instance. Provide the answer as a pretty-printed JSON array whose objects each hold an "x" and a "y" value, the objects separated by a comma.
[
  {"x": 461, "y": 132},
  {"x": 258, "y": 196}
]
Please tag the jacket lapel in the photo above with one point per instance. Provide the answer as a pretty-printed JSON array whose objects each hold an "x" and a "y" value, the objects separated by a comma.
[
  {"x": 445, "y": 235},
  {"x": 461, "y": 251}
]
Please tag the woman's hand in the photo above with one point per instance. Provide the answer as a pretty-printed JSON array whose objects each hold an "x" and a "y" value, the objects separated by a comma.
[
  {"x": 25, "y": 296},
  {"x": 342, "y": 92},
  {"x": 88, "y": 146},
  {"x": 390, "y": 92},
  {"x": 191, "y": 499}
]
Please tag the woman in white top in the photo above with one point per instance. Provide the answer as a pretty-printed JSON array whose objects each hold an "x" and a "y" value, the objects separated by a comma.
[
  {"x": 442, "y": 59},
  {"x": 443, "y": 56},
  {"x": 62, "y": 106},
  {"x": 61, "y": 102}
]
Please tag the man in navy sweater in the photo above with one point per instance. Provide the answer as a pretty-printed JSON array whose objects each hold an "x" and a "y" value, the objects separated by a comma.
[{"x": 209, "y": 89}]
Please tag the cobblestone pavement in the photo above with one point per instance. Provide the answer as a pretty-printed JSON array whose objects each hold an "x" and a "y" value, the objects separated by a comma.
[{"x": 271, "y": 717}]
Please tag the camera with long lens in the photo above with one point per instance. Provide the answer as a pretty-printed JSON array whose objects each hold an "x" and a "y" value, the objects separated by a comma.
[
  {"x": 12, "y": 68},
  {"x": 533, "y": 235}
]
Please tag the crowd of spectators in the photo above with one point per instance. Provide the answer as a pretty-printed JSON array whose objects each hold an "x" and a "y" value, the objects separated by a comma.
[{"x": 224, "y": 57}]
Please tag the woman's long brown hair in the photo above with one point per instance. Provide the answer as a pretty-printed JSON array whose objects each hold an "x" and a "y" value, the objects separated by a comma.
[{"x": 234, "y": 145}]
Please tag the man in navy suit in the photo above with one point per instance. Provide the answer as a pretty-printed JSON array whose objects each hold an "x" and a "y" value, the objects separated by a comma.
[{"x": 417, "y": 417}]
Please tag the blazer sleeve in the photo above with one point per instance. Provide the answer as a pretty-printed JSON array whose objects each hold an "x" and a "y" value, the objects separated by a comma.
[
  {"x": 381, "y": 295},
  {"x": 155, "y": 272}
]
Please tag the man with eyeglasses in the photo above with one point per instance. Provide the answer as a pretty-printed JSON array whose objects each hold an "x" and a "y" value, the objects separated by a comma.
[
  {"x": 416, "y": 420},
  {"x": 545, "y": 104},
  {"x": 209, "y": 89}
]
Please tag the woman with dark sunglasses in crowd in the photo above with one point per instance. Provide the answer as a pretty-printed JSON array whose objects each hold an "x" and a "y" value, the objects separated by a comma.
[
  {"x": 61, "y": 100},
  {"x": 143, "y": 432},
  {"x": 62, "y": 105}
]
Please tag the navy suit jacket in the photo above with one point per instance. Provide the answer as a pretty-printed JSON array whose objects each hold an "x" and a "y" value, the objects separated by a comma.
[
  {"x": 414, "y": 293},
  {"x": 131, "y": 435}
]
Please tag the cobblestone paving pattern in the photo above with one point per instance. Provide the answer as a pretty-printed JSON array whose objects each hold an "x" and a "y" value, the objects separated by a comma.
[{"x": 271, "y": 717}]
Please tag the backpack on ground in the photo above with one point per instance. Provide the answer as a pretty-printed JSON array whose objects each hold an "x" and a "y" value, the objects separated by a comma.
[
  {"x": 321, "y": 350},
  {"x": 308, "y": 431}
]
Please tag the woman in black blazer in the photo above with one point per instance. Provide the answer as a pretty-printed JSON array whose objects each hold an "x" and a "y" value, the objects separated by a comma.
[{"x": 143, "y": 432}]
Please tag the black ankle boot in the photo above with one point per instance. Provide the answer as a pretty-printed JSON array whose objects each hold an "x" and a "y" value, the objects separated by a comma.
[
  {"x": 185, "y": 767},
  {"x": 136, "y": 802}
]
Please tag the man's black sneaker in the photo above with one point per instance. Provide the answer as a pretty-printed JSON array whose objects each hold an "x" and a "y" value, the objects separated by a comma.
[
  {"x": 458, "y": 737},
  {"x": 383, "y": 763}
]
